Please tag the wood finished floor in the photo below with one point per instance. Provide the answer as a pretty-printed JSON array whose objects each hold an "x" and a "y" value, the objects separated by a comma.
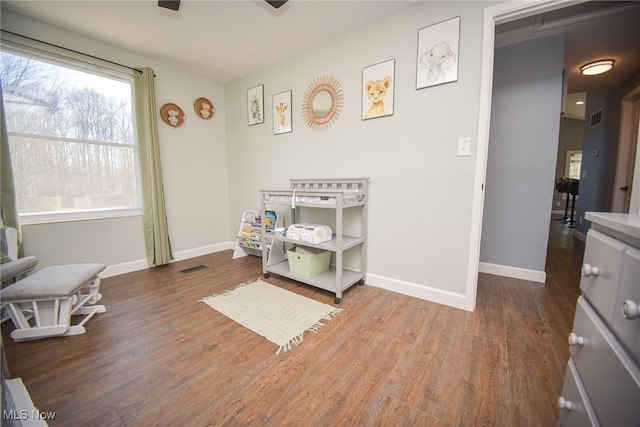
[{"x": 158, "y": 357}]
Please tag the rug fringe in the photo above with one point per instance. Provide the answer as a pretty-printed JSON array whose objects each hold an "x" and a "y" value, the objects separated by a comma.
[
  {"x": 291, "y": 343},
  {"x": 228, "y": 291},
  {"x": 313, "y": 328},
  {"x": 248, "y": 283}
]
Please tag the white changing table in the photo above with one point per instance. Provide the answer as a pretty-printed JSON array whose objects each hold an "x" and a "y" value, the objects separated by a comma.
[{"x": 343, "y": 196}]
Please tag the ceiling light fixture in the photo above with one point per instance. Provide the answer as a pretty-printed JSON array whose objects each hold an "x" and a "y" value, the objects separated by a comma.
[
  {"x": 579, "y": 102},
  {"x": 597, "y": 67}
]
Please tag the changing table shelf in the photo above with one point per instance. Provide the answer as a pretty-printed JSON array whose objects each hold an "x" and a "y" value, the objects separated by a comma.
[
  {"x": 326, "y": 280},
  {"x": 340, "y": 195},
  {"x": 348, "y": 242}
]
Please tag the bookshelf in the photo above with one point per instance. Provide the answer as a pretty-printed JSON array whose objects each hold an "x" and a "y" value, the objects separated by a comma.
[{"x": 249, "y": 238}]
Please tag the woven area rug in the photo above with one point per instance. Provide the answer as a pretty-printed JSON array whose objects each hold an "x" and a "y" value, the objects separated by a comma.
[{"x": 280, "y": 316}]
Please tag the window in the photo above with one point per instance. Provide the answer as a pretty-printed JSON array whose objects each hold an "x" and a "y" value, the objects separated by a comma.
[
  {"x": 573, "y": 164},
  {"x": 72, "y": 138}
]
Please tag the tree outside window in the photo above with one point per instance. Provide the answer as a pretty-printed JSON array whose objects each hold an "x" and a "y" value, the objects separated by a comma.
[{"x": 71, "y": 135}]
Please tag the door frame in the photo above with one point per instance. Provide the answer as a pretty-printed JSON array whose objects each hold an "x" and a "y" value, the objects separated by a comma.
[
  {"x": 627, "y": 152},
  {"x": 494, "y": 15}
]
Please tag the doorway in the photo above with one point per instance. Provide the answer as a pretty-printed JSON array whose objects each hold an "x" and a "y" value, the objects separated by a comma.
[
  {"x": 627, "y": 151},
  {"x": 496, "y": 15}
]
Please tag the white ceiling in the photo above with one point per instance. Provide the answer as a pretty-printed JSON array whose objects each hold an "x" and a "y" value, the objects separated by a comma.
[
  {"x": 222, "y": 40},
  {"x": 593, "y": 30},
  {"x": 227, "y": 40}
]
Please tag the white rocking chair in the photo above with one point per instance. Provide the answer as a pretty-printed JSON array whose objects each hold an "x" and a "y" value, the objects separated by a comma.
[{"x": 50, "y": 297}]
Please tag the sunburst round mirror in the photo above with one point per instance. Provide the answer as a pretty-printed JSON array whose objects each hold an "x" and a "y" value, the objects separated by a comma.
[{"x": 322, "y": 102}]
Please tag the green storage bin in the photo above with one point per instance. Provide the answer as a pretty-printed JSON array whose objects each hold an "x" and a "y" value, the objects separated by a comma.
[{"x": 309, "y": 263}]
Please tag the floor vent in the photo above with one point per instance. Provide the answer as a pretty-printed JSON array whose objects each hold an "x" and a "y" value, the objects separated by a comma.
[
  {"x": 596, "y": 118},
  {"x": 192, "y": 269}
]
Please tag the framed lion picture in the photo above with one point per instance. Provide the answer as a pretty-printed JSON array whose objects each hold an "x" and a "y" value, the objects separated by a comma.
[{"x": 377, "y": 89}]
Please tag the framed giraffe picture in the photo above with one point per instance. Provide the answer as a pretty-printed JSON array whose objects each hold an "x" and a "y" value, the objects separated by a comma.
[
  {"x": 282, "y": 113},
  {"x": 255, "y": 105}
]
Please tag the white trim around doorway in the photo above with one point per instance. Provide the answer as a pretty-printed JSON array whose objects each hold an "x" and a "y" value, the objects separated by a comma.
[{"x": 498, "y": 14}]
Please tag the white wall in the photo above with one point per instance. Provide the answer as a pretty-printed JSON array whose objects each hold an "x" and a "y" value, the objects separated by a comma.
[
  {"x": 600, "y": 148},
  {"x": 420, "y": 191},
  {"x": 194, "y": 164},
  {"x": 525, "y": 122}
]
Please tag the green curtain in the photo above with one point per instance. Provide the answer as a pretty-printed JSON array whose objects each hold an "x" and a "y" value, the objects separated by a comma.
[
  {"x": 154, "y": 212},
  {"x": 9, "y": 212}
]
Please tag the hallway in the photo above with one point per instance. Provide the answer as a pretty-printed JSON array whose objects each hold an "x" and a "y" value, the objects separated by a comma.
[{"x": 533, "y": 320}]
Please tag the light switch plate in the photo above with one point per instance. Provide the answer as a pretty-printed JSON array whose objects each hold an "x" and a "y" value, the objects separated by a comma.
[{"x": 464, "y": 147}]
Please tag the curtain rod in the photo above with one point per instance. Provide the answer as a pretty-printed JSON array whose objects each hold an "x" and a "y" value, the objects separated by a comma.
[{"x": 74, "y": 51}]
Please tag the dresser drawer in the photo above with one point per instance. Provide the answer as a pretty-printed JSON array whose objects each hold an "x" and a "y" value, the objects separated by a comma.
[
  {"x": 573, "y": 403},
  {"x": 626, "y": 316},
  {"x": 608, "y": 374},
  {"x": 600, "y": 271}
]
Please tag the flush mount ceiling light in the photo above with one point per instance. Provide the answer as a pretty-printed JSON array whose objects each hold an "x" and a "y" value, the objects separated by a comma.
[{"x": 597, "y": 67}]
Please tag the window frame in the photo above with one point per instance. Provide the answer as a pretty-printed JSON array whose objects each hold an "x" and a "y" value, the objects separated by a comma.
[
  {"x": 567, "y": 166},
  {"x": 35, "y": 50}
]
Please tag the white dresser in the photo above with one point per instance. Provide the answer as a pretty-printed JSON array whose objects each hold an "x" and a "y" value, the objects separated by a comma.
[{"x": 602, "y": 383}]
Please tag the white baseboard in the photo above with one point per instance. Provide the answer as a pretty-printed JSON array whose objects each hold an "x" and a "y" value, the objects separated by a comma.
[
  {"x": 428, "y": 293},
  {"x": 129, "y": 267},
  {"x": 126, "y": 267},
  {"x": 514, "y": 272},
  {"x": 192, "y": 253},
  {"x": 578, "y": 235}
]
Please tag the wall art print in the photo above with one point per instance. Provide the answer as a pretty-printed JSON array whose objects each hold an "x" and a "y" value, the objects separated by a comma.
[
  {"x": 282, "y": 113},
  {"x": 377, "y": 89},
  {"x": 204, "y": 108},
  {"x": 172, "y": 114},
  {"x": 255, "y": 105},
  {"x": 438, "y": 46},
  {"x": 322, "y": 102}
]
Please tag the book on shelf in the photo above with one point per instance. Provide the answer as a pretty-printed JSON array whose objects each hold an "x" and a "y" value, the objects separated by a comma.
[{"x": 250, "y": 235}]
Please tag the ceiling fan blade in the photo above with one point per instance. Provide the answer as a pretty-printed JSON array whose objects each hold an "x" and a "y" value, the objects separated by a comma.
[
  {"x": 276, "y": 3},
  {"x": 169, "y": 4}
]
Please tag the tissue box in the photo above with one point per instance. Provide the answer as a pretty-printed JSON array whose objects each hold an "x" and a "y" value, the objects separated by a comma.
[
  {"x": 308, "y": 262},
  {"x": 314, "y": 233}
]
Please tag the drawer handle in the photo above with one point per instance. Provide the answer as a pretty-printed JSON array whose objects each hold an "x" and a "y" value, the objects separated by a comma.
[
  {"x": 564, "y": 404},
  {"x": 589, "y": 270},
  {"x": 630, "y": 310},
  {"x": 575, "y": 339}
]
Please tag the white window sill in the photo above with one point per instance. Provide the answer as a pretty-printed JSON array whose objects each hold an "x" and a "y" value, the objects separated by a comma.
[{"x": 29, "y": 219}]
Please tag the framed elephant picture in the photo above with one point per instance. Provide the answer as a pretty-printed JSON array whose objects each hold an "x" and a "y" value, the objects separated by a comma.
[{"x": 437, "y": 58}]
